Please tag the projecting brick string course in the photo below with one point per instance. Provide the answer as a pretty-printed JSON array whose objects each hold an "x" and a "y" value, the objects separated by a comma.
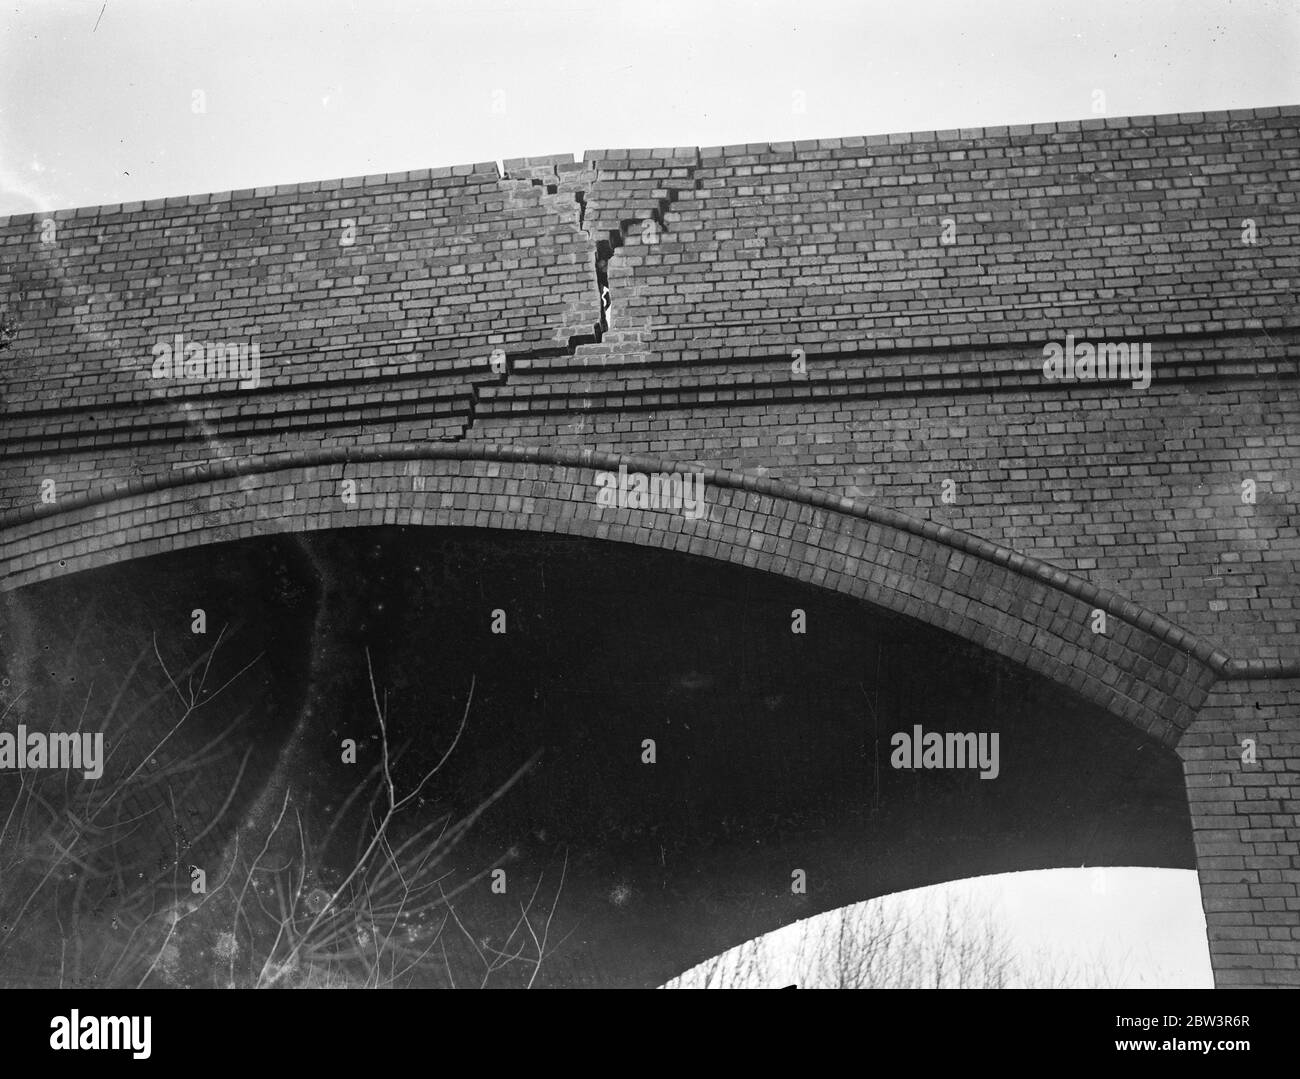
[{"x": 846, "y": 335}]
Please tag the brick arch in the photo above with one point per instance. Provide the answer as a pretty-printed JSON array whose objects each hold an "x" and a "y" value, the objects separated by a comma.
[{"x": 1143, "y": 668}]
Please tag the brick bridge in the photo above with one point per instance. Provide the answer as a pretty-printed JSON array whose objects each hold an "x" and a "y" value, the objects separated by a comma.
[{"x": 846, "y": 336}]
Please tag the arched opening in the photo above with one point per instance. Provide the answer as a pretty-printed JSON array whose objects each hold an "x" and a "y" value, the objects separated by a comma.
[{"x": 664, "y": 754}]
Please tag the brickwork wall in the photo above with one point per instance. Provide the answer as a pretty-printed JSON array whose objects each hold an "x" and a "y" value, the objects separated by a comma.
[
  {"x": 1246, "y": 826},
  {"x": 1139, "y": 493},
  {"x": 923, "y": 358}
]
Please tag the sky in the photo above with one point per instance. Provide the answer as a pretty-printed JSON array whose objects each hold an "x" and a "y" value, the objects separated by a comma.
[
  {"x": 114, "y": 101},
  {"x": 1117, "y": 928},
  {"x": 111, "y": 101}
]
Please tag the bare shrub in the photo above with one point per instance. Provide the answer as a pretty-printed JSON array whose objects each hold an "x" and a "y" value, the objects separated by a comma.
[
  {"x": 947, "y": 943},
  {"x": 80, "y": 906}
]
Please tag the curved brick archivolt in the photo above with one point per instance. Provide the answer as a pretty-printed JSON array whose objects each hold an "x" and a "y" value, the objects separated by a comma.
[{"x": 1139, "y": 667}]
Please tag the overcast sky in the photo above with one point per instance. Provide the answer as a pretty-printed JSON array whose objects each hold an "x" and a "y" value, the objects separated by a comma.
[
  {"x": 1099, "y": 928},
  {"x": 125, "y": 100},
  {"x": 107, "y": 101}
]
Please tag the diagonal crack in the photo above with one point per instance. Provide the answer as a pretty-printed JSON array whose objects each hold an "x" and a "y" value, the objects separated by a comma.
[{"x": 604, "y": 250}]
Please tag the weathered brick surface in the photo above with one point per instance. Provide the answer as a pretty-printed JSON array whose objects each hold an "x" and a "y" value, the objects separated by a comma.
[
  {"x": 442, "y": 266},
  {"x": 923, "y": 365},
  {"x": 1138, "y": 493},
  {"x": 1120, "y": 226},
  {"x": 1246, "y": 825}
]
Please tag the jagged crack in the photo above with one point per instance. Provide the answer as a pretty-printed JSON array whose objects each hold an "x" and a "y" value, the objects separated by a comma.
[{"x": 605, "y": 249}]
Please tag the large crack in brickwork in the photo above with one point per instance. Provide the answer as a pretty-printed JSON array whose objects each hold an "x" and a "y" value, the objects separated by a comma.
[
  {"x": 606, "y": 248},
  {"x": 577, "y": 183}
]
